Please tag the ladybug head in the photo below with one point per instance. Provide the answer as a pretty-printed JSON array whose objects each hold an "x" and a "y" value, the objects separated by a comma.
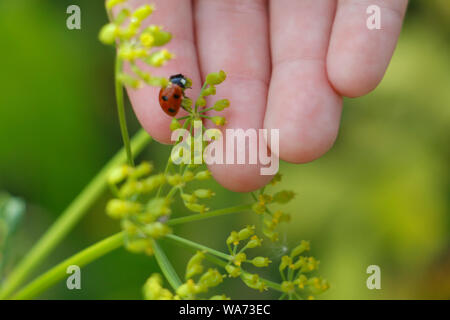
[{"x": 179, "y": 80}]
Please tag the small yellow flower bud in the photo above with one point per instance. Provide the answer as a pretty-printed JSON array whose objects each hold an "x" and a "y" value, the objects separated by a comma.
[
  {"x": 233, "y": 238},
  {"x": 298, "y": 250},
  {"x": 196, "y": 207},
  {"x": 156, "y": 230},
  {"x": 189, "y": 198},
  {"x": 233, "y": 271},
  {"x": 108, "y": 33},
  {"x": 194, "y": 265},
  {"x": 129, "y": 227},
  {"x": 158, "y": 207},
  {"x": 221, "y": 104},
  {"x": 175, "y": 180},
  {"x": 137, "y": 245},
  {"x": 254, "y": 242},
  {"x": 253, "y": 281},
  {"x": 200, "y": 102},
  {"x": 188, "y": 176},
  {"x": 146, "y": 40},
  {"x": 117, "y": 209},
  {"x": 160, "y": 37},
  {"x": 121, "y": 16},
  {"x": 209, "y": 91},
  {"x": 186, "y": 103},
  {"x": 260, "y": 262},
  {"x": 259, "y": 208},
  {"x": 143, "y": 12},
  {"x": 118, "y": 174},
  {"x": 218, "y": 121},
  {"x": 288, "y": 287},
  {"x": 246, "y": 232},
  {"x": 130, "y": 31},
  {"x": 153, "y": 182},
  {"x": 216, "y": 78},
  {"x": 285, "y": 262},
  {"x": 112, "y": 3},
  {"x": 309, "y": 265},
  {"x": 159, "y": 58},
  {"x": 204, "y": 193},
  {"x": 272, "y": 235},
  {"x": 187, "y": 289},
  {"x": 203, "y": 175},
  {"x": 265, "y": 199},
  {"x": 239, "y": 258},
  {"x": 142, "y": 170},
  {"x": 301, "y": 281},
  {"x": 209, "y": 279},
  {"x": 158, "y": 82}
]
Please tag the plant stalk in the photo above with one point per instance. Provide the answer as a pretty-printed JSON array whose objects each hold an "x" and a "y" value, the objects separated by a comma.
[
  {"x": 121, "y": 111},
  {"x": 198, "y": 246},
  {"x": 60, "y": 271},
  {"x": 67, "y": 220},
  {"x": 165, "y": 266},
  {"x": 208, "y": 215}
]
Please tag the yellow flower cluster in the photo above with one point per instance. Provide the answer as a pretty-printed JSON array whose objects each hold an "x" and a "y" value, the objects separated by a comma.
[
  {"x": 134, "y": 43},
  {"x": 293, "y": 268},
  {"x": 272, "y": 219},
  {"x": 142, "y": 212},
  {"x": 239, "y": 257},
  {"x": 209, "y": 279}
]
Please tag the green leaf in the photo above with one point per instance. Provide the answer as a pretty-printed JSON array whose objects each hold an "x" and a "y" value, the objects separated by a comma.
[{"x": 166, "y": 267}]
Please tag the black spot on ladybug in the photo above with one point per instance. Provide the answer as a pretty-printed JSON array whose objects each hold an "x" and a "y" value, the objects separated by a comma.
[
  {"x": 165, "y": 98},
  {"x": 171, "y": 110},
  {"x": 176, "y": 96}
]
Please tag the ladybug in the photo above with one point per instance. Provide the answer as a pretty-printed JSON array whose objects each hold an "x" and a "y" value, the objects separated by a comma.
[{"x": 171, "y": 96}]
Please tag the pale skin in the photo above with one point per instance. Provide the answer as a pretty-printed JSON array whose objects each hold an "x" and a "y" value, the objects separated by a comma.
[{"x": 288, "y": 65}]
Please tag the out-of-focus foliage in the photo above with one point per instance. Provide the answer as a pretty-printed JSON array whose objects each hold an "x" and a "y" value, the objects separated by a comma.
[
  {"x": 11, "y": 213},
  {"x": 380, "y": 196}
]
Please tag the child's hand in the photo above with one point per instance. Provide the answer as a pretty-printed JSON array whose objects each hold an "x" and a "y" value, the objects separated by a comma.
[{"x": 289, "y": 62}]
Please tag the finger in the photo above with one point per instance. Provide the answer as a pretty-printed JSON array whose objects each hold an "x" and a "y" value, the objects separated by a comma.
[
  {"x": 176, "y": 17},
  {"x": 358, "y": 56},
  {"x": 301, "y": 102},
  {"x": 232, "y": 35}
]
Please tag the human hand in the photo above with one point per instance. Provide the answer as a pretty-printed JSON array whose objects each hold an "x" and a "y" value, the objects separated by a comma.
[{"x": 288, "y": 64}]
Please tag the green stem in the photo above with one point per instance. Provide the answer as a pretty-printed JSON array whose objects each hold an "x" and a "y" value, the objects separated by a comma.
[
  {"x": 272, "y": 285},
  {"x": 221, "y": 263},
  {"x": 169, "y": 162},
  {"x": 207, "y": 215},
  {"x": 121, "y": 111},
  {"x": 67, "y": 220},
  {"x": 199, "y": 95},
  {"x": 165, "y": 266},
  {"x": 198, "y": 246},
  {"x": 59, "y": 272}
]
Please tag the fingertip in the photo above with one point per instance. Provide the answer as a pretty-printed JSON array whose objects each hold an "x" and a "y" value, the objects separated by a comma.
[
  {"x": 358, "y": 55},
  {"x": 354, "y": 73},
  {"x": 307, "y": 115},
  {"x": 302, "y": 147}
]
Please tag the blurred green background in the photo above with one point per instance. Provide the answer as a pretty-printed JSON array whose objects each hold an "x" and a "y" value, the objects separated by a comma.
[{"x": 380, "y": 196}]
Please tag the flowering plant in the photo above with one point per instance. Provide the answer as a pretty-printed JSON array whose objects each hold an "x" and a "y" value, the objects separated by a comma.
[{"x": 143, "y": 197}]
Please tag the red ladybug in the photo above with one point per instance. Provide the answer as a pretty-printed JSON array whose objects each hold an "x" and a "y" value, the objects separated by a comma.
[{"x": 171, "y": 96}]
